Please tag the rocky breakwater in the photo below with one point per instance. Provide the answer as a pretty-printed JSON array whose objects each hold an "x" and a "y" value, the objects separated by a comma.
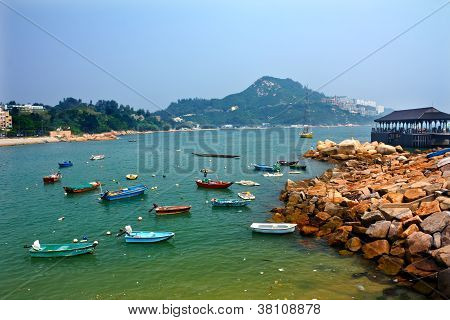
[{"x": 379, "y": 201}]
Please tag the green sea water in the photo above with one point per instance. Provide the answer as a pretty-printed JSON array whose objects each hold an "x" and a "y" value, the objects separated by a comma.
[{"x": 213, "y": 255}]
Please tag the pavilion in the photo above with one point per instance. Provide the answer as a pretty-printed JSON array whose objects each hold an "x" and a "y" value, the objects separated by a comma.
[{"x": 413, "y": 128}]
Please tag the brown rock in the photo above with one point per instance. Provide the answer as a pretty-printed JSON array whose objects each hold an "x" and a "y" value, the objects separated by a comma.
[
  {"x": 413, "y": 270},
  {"x": 419, "y": 242},
  {"x": 413, "y": 220},
  {"x": 360, "y": 208},
  {"x": 323, "y": 216},
  {"x": 375, "y": 248},
  {"x": 395, "y": 197},
  {"x": 414, "y": 194},
  {"x": 400, "y": 214},
  {"x": 390, "y": 265},
  {"x": 308, "y": 230},
  {"x": 443, "y": 280},
  {"x": 444, "y": 203},
  {"x": 345, "y": 253},
  {"x": 353, "y": 244},
  {"x": 395, "y": 230},
  {"x": 427, "y": 208},
  {"x": 432, "y": 188},
  {"x": 442, "y": 255},
  {"x": 436, "y": 222},
  {"x": 332, "y": 224},
  {"x": 318, "y": 190},
  {"x": 437, "y": 240},
  {"x": 371, "y": 216},
  {"x": 410, "y": 230},
  {"x": 338, "y": 237},
  {"x": 333, "y": 209},
  {"x": 397, "y": 248},
  {"x": 359, "y": 230},
  {"x": 379, "y": 229},
  {"x": 445, "y": 236}
]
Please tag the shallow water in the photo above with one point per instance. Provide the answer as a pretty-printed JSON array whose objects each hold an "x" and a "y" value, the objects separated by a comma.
[{"x": 214, "y": 255}]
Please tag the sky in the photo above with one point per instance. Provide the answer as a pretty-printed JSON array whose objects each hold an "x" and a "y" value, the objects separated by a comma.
[{"x": 150, "y": 53}]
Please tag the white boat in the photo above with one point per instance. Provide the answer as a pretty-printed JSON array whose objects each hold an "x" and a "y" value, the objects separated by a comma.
[
  {"x": 97, "y": 157},
  {"x": 278, "y": 228},
  {"x": 276, "y": 174},
  {"x": 295, "y": 172},
  {"x": 246, "y": 195},
  {"x": 247, "y": 183}
]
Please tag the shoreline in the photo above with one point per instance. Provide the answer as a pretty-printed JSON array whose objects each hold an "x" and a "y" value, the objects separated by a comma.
[{"x": 383, "y": 203}]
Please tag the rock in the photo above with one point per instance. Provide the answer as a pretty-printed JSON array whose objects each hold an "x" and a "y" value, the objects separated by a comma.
[
  {"x": 371, "y": 216},
  {"x": 413, "y": 220},
  {"x": 414, "y": 194},
  {"x": 308, "y": 230},
  {"x": 414, "y": 271},
  {"x": 329, "y": 151},
  {"x": 410, "y": 230},
  {"x": 442, "y": 255},
  {"x": 390, "y": 265},
  {"x": 427, "y": 208},
  {"x": 437, "y": 240},
  {"x": 289, "y": 185},
  {"x": 397, "y": 249},
  {"x": 445, "y": 236},
  {"x": 338, "y": 237},
  {"x": 419, "y": 242},
  {"x": 400, "y": 214},
  {"x": 443, "y": 283},
  {"x": 359, "y": 230},
  {"x": 360, "y": 208},
  {"x": 432, "y": 188},
  {"x": 420, "y": 185},
  {"x": 353, "y": 244},
  {"x": 395, "y": 230},
  {"x": 395, "y": 197},
  {"x": 399, "y": 149},
  {"x": 379, "y": 229},
  {"x": 444, "y": 203},
  {"x": 402, "y": 158},
  {"x": 323, "y": 216},
  {"x": 318, "y": 190},
  {"x": 436, "y": 222},
  {"x": 375, "y": 248},
  {"x": 345, "y": 253},
  {"x": 333, "y": 209},
  {"x": 332, "y": 224},
  {"x": 348, "y": 146},
  {"x": 277, "y": 218},
  {"x": 385, "y": 149}
]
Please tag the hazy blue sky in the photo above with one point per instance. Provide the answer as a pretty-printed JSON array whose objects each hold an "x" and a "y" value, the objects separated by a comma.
[{"x": 168, "y": 50}]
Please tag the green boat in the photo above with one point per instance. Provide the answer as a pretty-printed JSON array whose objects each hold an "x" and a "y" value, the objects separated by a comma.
[{"x": 61, "y": 250}]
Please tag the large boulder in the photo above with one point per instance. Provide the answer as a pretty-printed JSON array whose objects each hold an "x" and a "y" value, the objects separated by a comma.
[
  {"x": 353, "y": 244},
  {"x": 329, "y": 151},
  {"x": 444, "y": 203},
  {"x": 348, "y": 146},
  {"x": 436, "y": 222},
  {"x": 339, "y": 237},
  {"x": 427, "y": 208},
  {"x": 308, "y": 230},
  {"x": 442, "y": 255},
  {"x": 414, "y": 194},
  {"x": 400, "y": 214},
  {"x": 385, "y": 149},
  {"x": 445, "y": 236},
  {"x": 419, "y": 242},
  {"x": 397, "y": 248},
  {"x": 390, "y": 265},
  {"x": 413, "y": 220},
  {"x": 379, "y": 229},
  {"x": 375, "y": 248},
  {"x": 332, "y": 224},
  {"x": 371, "y": 217},
  {"x": 395, "y": 230},
  {"x": 410, "y": 230},
  {"x": 395, "y": 197}
]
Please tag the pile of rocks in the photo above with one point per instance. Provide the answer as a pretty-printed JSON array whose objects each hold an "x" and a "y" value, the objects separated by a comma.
[{"x": 387, "y": 204}]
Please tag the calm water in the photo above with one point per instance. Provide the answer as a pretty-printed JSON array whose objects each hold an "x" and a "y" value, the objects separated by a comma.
[{"x": 214, "y": 255}]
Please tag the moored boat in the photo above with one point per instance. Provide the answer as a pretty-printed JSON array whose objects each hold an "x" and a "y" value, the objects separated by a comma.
[
  {"x": 97, "y": 157},
  {"x": 286, "y": 163},
  {"x": 248, "y": 183},
  {"x": 131, "y": 176},
  {"x": 83, "y": 188},
  {"x": 228, "y": 202},
  {"x": 275, "y": 174},
  {"x": 167, "y": 210},
  {"x": 213, "y": 184},
  {"x": 276, "y": 228},
  {"x": 61, "y": 250},
  {"x": 52, "y": 178},
  {"x": 124, "y": 193},
  {"x": 215, "y": 155},
  {"x": 438, "y": 153},
  {"x": 246, "y": 195},
  {"x": 144, "y": 236},
  {"x": 263, "y": 167},
  {"x": 306, "y": 133},
  {"x": 295, "y": 172},
  {"x": 65, "y": 164},
  {"x": 301, "y": 166}
]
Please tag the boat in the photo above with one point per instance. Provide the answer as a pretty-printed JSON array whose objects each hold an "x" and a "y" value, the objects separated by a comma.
[
  {"x": 83, "y": 188},
  {"x": 132, "y": 140},
  {"x": 286, "y": 163},
  {"x": 301, "y": 166},
  {"x": 263, "y": 167},
  {"x": 65, "y": 164},
  {"x": 131, "y": 176},
  {"x": 438, "y": 153},
  {"x": 52, "y": 178},
  {"x": 248, "y": 183},
  {"x": 443, "y": 162},
  {"x": 213, "y": 184},
  {"x": 295, "y": 172},
  {"x": 228, "y": 202},
  {"x": 144, "y": 236},
  {"x": 61, "y": 250},
  {"x": 215, "y": 155},
  {"x": 276, "y": 228},
  {"x": 97, "y": 157},
  {"x": 166, "y": 210},
  {"x": 275, "y": 174},
  {"x": 124, "y": 193},
  {"x": 306, "y": 133},
  {"x": 246, "y": 195}
]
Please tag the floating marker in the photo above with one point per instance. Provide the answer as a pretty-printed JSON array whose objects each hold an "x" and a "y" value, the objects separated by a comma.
[
  {"x": 108, "y": 233},
  {"x": 61, "y": 219},
  {"x": 139, "y": 218},
  {"x": 75, "y": 240}
]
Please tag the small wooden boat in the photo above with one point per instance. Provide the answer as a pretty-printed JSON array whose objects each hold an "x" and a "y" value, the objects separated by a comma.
[
  {"x": 246, "y": 195},
  {"x": 97, "y": 157},
  {"x": 248, "y": 183},
  {"x": 301, "y": 166},
  {"x": 275, "y": 174},
  {"x": 438, "y": 153},
  {"x": 131, "y": 176},
  {"x": 286, "y": 163},
  {"x": 52, "y": 178},
  {"x": 263, "y": 167},
  {"x": 277, "y": 228},
  {"x": 166, "y": 210},
  {"x": 83, "y": 188},
  {"x": 215, "y": 155},
  {"x": 65, "y": 164},
  {"x": 144, "y": 236},
  {"x": 212, "y": 184},
  {"x": 228, "y": 202},
  {"x": 61, "y": 250},
  {"x": 124, "y": 193}
]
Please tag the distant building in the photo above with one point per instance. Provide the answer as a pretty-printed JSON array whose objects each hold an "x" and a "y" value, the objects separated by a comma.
[
  {"x": 26, "y": 108},
  {"x": 414, "y": 128},
  {"x": 368, "y": 103},
  {"x": 380, "y": 109},
  {"x": 5, "y": 120},
  {"x": 59, "y": 133}
]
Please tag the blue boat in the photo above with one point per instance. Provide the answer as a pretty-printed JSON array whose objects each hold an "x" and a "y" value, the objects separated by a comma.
[
  {"x": 438, "y": 153},
  {"x": 144, "y": 236},
  {"x": 61, "y": 250},
  {"x": 65, "y": 164},
  {"x": 124, "y": 193},
  {"x": 263, "y": 167},
  {"x": 228, "y": 202}
]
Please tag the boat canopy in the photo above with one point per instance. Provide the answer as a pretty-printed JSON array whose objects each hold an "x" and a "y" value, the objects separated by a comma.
[
  {"x": 128, "y": 229},
  {"x": 36, "y": 245}
]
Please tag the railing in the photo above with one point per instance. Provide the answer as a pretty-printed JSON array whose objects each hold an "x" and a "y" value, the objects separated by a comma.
[{"x": 410, "y": 131}]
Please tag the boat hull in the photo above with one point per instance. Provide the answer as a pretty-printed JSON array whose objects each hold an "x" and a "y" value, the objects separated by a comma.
[
  {"x": 168, "y": 210},
  {"x": 306, "y": 135},
  {"x": 213, "y": 184},
  {"x": 228, "y": 203},
  {"x": 52, "y": 179},
  {"x": 273, "y": 228},
  {"x": 63, "y": 250},
  {"x": 438, "y": 153},
  {"x": 148, "y": 237},
  {"x": 215, "y": 155},
  {"x": 65, "y": 165},
  {"x": 82, "y": 189},
  {"x": 124, "y": 193}
]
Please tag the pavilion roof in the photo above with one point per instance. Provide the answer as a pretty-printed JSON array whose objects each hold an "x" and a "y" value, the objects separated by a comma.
[{"x": 429, "y": 114}]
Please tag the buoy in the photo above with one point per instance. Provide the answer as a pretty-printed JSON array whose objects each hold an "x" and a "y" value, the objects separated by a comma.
[
  {"x": 281, "y": 269},
  {"x": 108, "y": 233},
  {"x": 75, "y": 240},
  {"x": 153, "y": 175},
  {"x": 176, "y": 184},
  {"x": 139, "y": 218},
  {"x": 95, "y": 242},
  {"x": 61, "y": 219}
]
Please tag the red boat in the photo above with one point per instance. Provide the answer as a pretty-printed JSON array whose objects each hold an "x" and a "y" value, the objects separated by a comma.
[
  {"x": 170, "y": 209},
  {"x": 52, "y": 178},
  {"x": 211, "y": 184}
]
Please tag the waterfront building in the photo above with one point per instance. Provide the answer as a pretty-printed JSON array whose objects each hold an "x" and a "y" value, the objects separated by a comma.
[
  {"x": 5, "y": 120},
  {"x": 414, "y": 128}
]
